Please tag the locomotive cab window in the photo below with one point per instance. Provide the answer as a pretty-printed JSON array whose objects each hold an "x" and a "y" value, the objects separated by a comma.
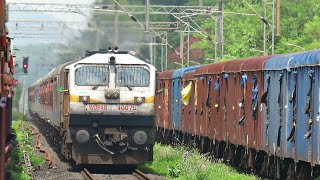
[
  {"x": 91, "y": 75},
  {"x": 132, "y": 76}
]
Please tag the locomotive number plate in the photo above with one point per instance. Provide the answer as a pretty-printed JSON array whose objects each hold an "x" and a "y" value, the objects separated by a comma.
[
  {"x": 127, "y": 108},
  {"x": 97, "y": 107}
]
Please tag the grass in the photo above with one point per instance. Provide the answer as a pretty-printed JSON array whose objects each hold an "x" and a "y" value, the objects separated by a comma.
[
  {"x": 24, "y": 142},
  {"x": 181, "y": 163}
]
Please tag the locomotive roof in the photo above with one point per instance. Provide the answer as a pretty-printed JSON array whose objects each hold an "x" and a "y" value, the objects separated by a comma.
[{"x": 119, "y": 58}]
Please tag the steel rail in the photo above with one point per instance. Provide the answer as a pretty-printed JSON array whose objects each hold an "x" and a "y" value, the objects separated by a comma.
[
  {"x": 140, "y": 175},
  {"x": 86, "y": 174}
]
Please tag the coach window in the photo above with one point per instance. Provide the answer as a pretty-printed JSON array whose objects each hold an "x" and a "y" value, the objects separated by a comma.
[
  {"x": 132, "y": 76},
  {"x": 91, "y": 75}
]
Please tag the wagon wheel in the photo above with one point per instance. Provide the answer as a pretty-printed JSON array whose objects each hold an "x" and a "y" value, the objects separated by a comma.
[{"x": 291, "y": 172}]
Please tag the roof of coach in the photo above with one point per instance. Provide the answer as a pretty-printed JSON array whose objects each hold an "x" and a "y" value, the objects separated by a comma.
[
  {"x": 216, "y": 68},
  {"x": 119, "y": 58},
  {"x": 254, "y": 63},
  {"x": 54, "y": 71},
  {"x": 180, "y": 72},
  {"x": 188, "y": 76},
  {"x": 202, "y": 70},
  {"x": 294, "y": 60},
  {"x": 233, "y": 65},
  {"x": 308, "y": 58},
  {"x": 279, "y": 62},
  {"x": 165, "y": 74}
]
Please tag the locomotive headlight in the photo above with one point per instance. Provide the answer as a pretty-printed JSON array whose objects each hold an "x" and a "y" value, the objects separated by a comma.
[
  {"x": 84, "y": 99},
  {"x": 140, "y": 137},
  {"x": 139, "y": 100}
]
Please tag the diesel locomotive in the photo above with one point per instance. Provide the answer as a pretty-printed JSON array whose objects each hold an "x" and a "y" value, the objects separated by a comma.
[{"x": 101, "y": 105}]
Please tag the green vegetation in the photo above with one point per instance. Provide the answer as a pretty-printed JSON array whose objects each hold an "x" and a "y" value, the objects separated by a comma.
[
  {"x": 24, "y": 142},
  {"x": 243, "y": 34},
  {"x": 185, "y": 163},
  {"x": 16, "y": 116}
]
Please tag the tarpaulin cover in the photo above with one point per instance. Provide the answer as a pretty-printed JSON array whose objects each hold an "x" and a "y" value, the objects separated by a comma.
[
  {"x": 188, "y": 111},
  {"x": 176, "y": 86},
  {"x": 185, "y": 93}
]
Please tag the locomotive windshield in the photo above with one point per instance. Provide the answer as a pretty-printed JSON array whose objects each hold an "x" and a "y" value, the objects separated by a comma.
[
  {"x": 132, "y": 76},
  {"x": 90, "y": 75}
]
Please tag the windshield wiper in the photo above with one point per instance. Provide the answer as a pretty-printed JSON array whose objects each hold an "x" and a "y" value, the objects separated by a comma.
[
  {"x": 130, "y": 88},
  {"x": 95, "y": 87}
]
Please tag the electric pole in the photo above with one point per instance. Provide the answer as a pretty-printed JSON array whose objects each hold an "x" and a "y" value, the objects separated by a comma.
[
  {"x": 147, "y": 15},
  {"x": 116, "y": 25},
  {"x": 220, "y": 26},
  {"x": 278, "y": 18},
  {"x": 181, "y": 47}
]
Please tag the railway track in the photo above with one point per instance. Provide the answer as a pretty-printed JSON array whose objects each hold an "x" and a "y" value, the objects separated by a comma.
[
  {"x": 63, "y": 171},
  {"x": 140, "y": 175},
  {"x": 86, "y": 174}
]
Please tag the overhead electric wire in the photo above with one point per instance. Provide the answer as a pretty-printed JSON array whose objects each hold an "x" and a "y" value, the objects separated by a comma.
[
  {"x": 204, "y": 35},
  {"x": 191, "y": 19},
  {"x": 262, "y": 18},
  {"x": 137, "y": 21}
]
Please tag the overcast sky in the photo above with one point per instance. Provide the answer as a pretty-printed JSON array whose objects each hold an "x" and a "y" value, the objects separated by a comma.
[{"x": 45, "y": 32}]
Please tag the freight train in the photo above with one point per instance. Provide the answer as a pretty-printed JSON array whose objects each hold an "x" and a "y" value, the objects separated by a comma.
[
  {"x": 102, "y": 107},
  {"x": 6, "y": 92},
  {"x": 260, "y": 113}
]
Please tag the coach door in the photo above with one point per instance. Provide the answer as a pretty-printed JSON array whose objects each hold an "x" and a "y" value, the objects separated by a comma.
[
  {"x": 66, "y": 101},
  {"x": 66, "y": 140}
]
